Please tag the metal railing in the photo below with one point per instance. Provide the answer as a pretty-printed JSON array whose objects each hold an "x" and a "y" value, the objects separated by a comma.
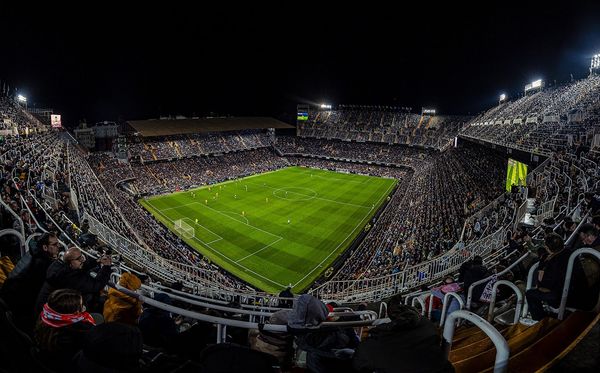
[
  {"x": 484, "y": 280},
  {"x": 446, "y": 302},
  {"x": 502, "y": 349},
  {"x": 565, "y": 292},
  {"x": 493, "y": 299},
  {"x": 381, "y": 287},
  {"x": 368, "y": 317}
]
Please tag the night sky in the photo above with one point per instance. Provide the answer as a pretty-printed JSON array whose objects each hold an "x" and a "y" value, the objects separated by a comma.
[{"x": 156, "y": 60}]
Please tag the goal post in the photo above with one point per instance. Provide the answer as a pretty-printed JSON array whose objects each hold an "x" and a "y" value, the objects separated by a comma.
[{"x": 183, "y": 228}]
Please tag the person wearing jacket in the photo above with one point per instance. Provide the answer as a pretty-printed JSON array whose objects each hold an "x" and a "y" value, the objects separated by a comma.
[
  {"x": 551, "y": 277},
  {"x": 120, "y": 307},
  {"x": 26, "y": 279},
  {"x": 73, "y": 272},
  {"x": 408, "y": 343},
  {"x": 61, "y": 328}
]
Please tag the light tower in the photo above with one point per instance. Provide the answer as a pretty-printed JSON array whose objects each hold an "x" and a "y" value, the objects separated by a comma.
[
  {"x": 502, "y": 98},
  {"x": 595, "y": 66}
]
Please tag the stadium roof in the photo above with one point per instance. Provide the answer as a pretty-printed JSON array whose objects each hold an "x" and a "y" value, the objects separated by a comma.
[{"x": 166, "y": 127}]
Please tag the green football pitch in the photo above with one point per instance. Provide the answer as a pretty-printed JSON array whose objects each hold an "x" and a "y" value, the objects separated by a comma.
[{"x": 277, "y": 228}]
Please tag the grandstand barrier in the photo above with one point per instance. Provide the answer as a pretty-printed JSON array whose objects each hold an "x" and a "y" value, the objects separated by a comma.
[
  {"x": 502, "y": 350},
  {"x": 21, "y": 233},
  {"x": 368, "y": 318},
  {"x": 493, "y": 299},
  {"x": 446, "y": 301},
  {"x": 485, "y": 280},
  {"x": 7, "y": 232},
  {"x": 569, "y": 275},
  {"x": 375, "y": 289}
]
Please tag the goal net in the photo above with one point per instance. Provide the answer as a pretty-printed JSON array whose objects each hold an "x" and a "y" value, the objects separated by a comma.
[{"x": 184, "y": 229}]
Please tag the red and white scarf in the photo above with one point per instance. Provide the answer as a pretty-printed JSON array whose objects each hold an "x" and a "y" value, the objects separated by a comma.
[{"x": 58, "y": 320}]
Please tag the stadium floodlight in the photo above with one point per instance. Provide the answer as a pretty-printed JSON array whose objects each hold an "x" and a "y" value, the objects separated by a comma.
[
  {"x": 22, "y": 98},
  {"x": 595, "y": 61},
  {"x": 326, "y": 106},
  {"x": 533, "y": 85},
  {"x": 428, "y": 111},
  {"x": 502, "y": 97}
]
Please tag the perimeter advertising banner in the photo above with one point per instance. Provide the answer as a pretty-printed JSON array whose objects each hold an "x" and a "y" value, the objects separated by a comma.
[{"x": 55, "y": 121}]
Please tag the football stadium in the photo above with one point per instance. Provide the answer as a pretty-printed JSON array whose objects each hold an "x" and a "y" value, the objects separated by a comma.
[{"x": 188, "y": 196}]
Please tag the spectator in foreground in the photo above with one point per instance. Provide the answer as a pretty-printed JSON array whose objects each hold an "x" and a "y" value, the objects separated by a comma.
[
  {"x": 408, "y": 343},
  {"x": 26, "y": 279},
  {"x": 61, "y": 328},
  {"x": 73, "y": 272},
  {"x": 551, "y": 277},
  {"x": 110, "y": 348}
]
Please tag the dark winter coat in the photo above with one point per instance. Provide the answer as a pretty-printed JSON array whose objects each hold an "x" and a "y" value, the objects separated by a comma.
[{"x": 409, "y": 344}]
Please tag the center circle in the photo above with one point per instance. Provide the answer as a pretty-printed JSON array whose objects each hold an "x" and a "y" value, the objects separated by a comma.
[{"x": 295, "y": 193}]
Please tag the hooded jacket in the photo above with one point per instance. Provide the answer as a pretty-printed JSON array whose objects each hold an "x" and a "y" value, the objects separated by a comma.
[{"x": 120, "y": 307}]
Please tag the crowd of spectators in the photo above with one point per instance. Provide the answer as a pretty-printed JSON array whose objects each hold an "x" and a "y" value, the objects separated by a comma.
[
  {"x": 182, "y": 146},
  {"x": 543, "y": 120},
  {"x": 379, "y": 125}
]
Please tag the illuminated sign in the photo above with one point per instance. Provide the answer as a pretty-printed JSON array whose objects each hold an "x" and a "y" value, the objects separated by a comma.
[{"x": 55, "y": 121}]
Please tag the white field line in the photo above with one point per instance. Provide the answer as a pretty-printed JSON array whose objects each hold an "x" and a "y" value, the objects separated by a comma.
[
  {"x": 349, "y": 180},
  {"x": 337, "y": 247},
  {"x": 203, "y": 227},
  {"x": 258, "y": 251},
  {"x": 224, "y": 256},
  {"x": 306, "y": 195}
]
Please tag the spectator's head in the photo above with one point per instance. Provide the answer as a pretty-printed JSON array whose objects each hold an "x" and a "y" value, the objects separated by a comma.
[
  {"x": 130, "y": 281},
  {"x": 553, "y": 243},
  {"x": 49, "y": 244},
  {"x": 477, "y": 260},
  {"x": 110, "y": 347},
  {"x": 403, "y": 316},
  {"x": 66, "y": 301},
  {"x": 74, "y": 258},
  {"x": 588, "y": 234},
  {"x": 596, "y": 221},
  {"x": 449, "y": 280},
  {"x": 568, "y": 223}
]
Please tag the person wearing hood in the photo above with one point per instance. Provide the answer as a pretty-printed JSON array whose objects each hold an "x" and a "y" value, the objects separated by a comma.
[
  {"x": 73, "y": 272},
  {"x": 328, "y": 349},
  {"x": 408, "y": 343},
  {"x": 120, "y": 307}
]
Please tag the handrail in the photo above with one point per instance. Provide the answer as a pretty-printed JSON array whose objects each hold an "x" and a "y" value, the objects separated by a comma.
[
  {"x": 529, "y": 284},
  {"x": 447, "y": 296},
  {"x": 421, "y": 302},
  {"x": 493, "y": 300},
  {"x": 470, "y": 291},
  {"x": 238, "y": 323},
  {"x": 14, "y": 232},
  {"x": 565, "y": 292},
  {"x": 575, "y": 233},
  {"x": 18, "y": 218},
  {"x": 502, "y": 350}
]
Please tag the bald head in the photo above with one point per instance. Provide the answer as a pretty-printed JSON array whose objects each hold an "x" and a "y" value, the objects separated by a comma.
[{"x": 74, "y": 258}]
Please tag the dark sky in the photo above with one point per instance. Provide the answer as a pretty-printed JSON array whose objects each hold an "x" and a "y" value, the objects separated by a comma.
[{"x": 142, "y": 62}]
